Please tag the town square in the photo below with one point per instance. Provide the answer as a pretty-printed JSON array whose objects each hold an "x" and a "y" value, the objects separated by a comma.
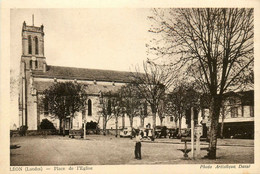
[
  {"x": 132, "y": 86},
  {"x": 109, "y": 150}
]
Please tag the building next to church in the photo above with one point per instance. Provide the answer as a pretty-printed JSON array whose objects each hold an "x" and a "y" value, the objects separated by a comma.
[
  {"x": 236, "y": 118},
  {"x": 36, "y": 76}
]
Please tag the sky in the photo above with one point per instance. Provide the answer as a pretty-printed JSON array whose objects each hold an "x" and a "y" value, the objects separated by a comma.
[{"x": 108, "y": 38}]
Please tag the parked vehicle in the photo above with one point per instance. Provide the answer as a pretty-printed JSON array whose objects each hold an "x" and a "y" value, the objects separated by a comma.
[
  {"x": 172, "y": 133},
  {"x": 160, "y": 131}
]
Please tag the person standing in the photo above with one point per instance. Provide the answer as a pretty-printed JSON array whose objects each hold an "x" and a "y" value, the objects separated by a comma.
[{"x": 138, "y": 139}]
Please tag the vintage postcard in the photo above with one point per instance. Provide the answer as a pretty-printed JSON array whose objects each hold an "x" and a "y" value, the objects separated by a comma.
[{"x": 129, "y": 87}]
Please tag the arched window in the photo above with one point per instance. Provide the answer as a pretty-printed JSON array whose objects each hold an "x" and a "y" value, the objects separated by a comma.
[
  {"x": 36, "y": 45},
  {"x": 109, "y": 107},
  {"x": 89, "y": 107},
  {"x": 36, "y": 64},
  {"x": 29, "y": 44}
]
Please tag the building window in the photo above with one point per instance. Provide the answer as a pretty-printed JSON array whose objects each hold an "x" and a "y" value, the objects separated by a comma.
[
  {"x": 251, "y": 111},
  {"x": 30, "y": 64},
  {"x": 36, "y": 64},
  {"x": 29, "y": 44},
  {"x": 234, "y": 112},
  {"x": 36, "y": 45},
  {"x": 89, "y": 107},
  {"x": 171, "y": 119}
]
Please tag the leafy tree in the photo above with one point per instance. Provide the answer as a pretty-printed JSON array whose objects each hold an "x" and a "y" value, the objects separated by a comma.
[
  {"x": 63, "y": 100},
  {"x": 46, "y": 124},
  {"x": 212, "y": 45}
]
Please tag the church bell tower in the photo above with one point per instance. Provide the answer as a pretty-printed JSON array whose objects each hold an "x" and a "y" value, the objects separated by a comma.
[
  {"x": 33, "y": 48},
  {"x": 32, "y": 60}
]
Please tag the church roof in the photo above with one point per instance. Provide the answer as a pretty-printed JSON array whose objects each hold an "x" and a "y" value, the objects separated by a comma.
[
  {"x": 84, "y": 74},
  {"x": 90, "y": 88}
]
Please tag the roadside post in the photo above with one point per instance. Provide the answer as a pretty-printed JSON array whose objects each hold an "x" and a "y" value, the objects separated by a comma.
[
  {"x": 192, "y": 133},
  {"x": 198, "y": 134},
  {"x": 84, "y": 129}
]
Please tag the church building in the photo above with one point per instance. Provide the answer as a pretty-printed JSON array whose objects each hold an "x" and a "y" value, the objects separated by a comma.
[{"x": 36, "y": 76}]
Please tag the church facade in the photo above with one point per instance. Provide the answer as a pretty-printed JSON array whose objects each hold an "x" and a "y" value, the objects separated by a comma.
[{"x": 36, "y": 76}]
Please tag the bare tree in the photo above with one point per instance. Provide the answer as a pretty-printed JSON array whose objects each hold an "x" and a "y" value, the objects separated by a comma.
[
  {"x": 105, "y": 108},
  {"x": 170, "y": 110},
  {"x": 152, "y": 85},
  {"x": 131, "y": 101},
  {"x": 117, "y": 107},
  {"x": 161, "y": 110},
  {"x": 215, "y": 44},
  {"x": 143, "y": 112},
  {"x": 181, "y": 99}
]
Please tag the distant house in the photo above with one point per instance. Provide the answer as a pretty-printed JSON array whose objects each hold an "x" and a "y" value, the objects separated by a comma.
[{"x": 236, "y": 116}]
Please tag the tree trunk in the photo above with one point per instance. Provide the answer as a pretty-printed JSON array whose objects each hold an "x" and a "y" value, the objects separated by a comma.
[
  {"x": 70, "y": 124},
  {"x": 64, "y": 122},
  {"x": 154, "y": 125},
  {"x": 131, "y": 125},
  {"x": 141, "y": 121},
  {"x": 176, "y": 123},
  {"x": 60, "y": 129},
  {"x": 161, "y": 120},
  {"x": 116, "y": 126},
  {"x": 214, "y": 115},
  {"x": 104, "y": 125},
  {"x": 222, "y": 123},
  {"x": 123, "y": 121},
  {"x": 179, "y": 133}
]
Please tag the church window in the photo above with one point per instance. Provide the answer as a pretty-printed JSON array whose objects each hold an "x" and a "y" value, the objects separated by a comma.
[
  {"x": 36, "y": 45},
  {"x": 36, "y": 64},
  {"x": 30, "y": 63},
  {"x": 29, "y": 44},
  {"x": 171, "y": 119},
  {"x": 89, "y": 107}
]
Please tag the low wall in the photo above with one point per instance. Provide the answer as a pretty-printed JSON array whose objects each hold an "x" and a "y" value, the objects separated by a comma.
[{"x": 14, "y": 133}]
